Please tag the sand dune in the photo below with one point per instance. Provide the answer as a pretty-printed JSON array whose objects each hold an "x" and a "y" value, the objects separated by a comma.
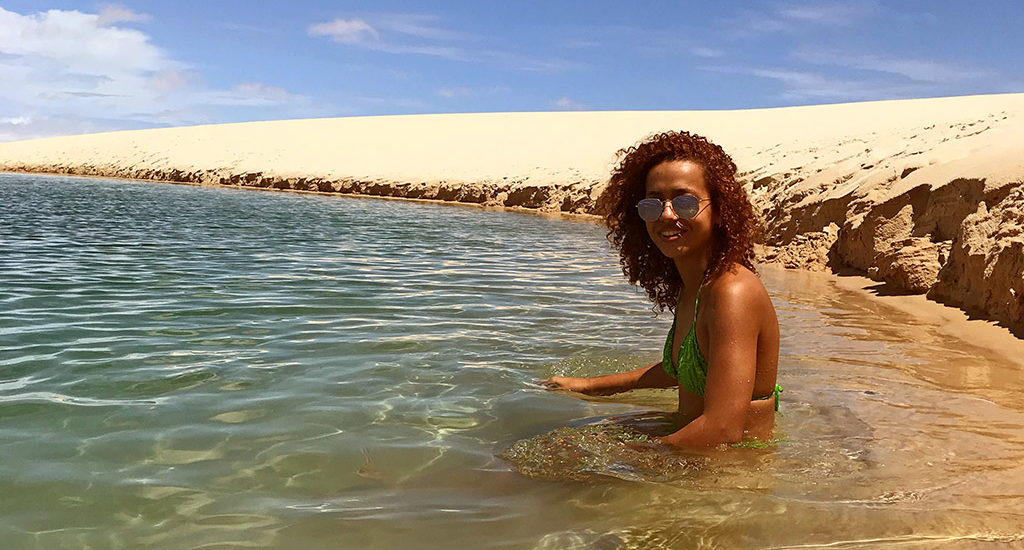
[{"x": 926, "y": 195}]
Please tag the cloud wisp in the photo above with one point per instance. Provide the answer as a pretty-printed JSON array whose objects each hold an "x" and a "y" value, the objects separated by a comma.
[
  {"x": 782, "y": 43},
  {"x": 114, "y": 13},
  {"x": 799, "y": 85},
  {"x": 423, "y": 34},
  {"x": 567, "y": 104},
  {"x": 451, "y": 93},
  {"x": 345, "y": 31},
  {"x": 919, "y": 70},
  {"x": 796, "y": 18},
  {"x": 395, "y": 34}
]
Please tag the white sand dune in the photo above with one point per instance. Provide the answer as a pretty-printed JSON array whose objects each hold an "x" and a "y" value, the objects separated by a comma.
[{"x": 924, "y": 194}]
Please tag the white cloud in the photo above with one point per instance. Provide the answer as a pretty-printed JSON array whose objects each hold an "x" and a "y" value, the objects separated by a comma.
[
  {"x": 78, "y": 42},
  {"x": 16, "y": 121},
  {"x": 345, "y": 31},
  {"x": 38, "y": 126},
  {"x": 114, "y": 13},
  {"x": 70, "y": 72},
  {"x": 705, "y": 52},
  {"x": 566, "y": 104},
  {"x": 68, "y": 63}
]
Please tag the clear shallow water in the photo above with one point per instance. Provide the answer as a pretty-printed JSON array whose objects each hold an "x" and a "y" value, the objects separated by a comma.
[{"x": 189, "y": 367}]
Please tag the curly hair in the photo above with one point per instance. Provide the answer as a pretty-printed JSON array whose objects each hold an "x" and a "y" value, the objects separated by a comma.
[{"x": 642, "y": 261}]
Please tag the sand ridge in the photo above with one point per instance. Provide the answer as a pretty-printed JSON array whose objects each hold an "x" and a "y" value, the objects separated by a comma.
[{"x": 926, "y": 195}]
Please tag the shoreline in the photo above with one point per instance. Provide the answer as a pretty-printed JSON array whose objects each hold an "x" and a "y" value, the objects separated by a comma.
[
  {"x": 924, "y": 195},
  {"x": 950, "y": 321},
  {"x": 552, "y": 214}
]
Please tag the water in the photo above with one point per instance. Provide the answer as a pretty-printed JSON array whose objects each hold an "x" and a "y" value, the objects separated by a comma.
[{"x": 188, "y": 367}]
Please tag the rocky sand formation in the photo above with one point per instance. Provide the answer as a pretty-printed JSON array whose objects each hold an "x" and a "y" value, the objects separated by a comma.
[{"x": 925, "y": 195}]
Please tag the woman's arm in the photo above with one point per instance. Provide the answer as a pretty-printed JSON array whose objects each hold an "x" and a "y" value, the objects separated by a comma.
[
  {"x": 732, "y": 352},
  {"x": 652, "y": 376}
]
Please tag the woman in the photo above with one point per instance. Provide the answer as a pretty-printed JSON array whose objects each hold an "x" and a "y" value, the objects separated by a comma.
[{"x": 684, "y": 228}]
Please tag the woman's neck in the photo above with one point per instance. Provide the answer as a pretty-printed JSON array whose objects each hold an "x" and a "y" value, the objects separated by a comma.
[{"x": 692, "y": 270}]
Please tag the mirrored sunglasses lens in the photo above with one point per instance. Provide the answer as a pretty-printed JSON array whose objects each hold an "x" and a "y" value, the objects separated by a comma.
[
  {"x": 685, "y": 206},
  {"x": 649, "y": 209}
]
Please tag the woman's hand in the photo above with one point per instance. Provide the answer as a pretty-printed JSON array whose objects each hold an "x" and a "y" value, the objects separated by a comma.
[
  {"x": 585, "y": 386},
  {"x": 651, "y": 376}
]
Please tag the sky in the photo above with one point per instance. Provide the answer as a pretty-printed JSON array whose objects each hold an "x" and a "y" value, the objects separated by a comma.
[{"x": 82, "y": 67}]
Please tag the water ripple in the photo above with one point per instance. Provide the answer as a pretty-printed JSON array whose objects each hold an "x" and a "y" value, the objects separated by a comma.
[{"x": 223, "y": 368}]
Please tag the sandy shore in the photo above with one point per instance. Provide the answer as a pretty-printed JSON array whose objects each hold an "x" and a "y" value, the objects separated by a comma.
[{"x": 926, "y": 195}]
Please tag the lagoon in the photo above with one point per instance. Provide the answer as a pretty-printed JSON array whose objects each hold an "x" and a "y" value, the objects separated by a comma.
[{"x": 192, "y": 367}]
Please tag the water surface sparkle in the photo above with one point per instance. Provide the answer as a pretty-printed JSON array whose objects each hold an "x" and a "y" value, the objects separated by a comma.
[{"x": 184, "y": 367}]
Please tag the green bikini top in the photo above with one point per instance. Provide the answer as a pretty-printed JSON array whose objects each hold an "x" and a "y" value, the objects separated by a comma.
[{"x": 691, "y": 370}]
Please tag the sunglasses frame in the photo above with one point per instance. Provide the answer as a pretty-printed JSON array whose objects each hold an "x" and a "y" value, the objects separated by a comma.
[{"x": 679, "y": 209}]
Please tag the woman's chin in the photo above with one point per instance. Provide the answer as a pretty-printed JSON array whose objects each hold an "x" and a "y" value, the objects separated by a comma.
[
  {"x": 675, "y": 252},
  {"x": 680, "y": 251}
]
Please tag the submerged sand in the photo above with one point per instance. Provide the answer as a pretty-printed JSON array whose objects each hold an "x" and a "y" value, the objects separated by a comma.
[{"x": 925, "y": 195}]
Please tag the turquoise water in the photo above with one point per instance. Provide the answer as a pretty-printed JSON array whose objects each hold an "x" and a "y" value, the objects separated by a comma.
[{"x": 185, "y": 367}]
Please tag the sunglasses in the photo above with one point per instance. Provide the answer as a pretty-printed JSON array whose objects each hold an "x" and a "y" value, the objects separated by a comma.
[{"x": 685, "y": 206}]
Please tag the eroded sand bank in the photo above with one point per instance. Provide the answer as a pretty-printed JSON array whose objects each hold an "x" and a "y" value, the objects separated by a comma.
[{"x": 926, "y": 195}]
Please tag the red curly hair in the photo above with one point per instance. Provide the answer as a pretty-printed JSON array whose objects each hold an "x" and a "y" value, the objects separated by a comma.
[{"x": 642, "y": 263}]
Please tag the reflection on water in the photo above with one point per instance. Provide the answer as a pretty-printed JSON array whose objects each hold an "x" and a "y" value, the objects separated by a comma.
[{"x": 185, "y": 367}]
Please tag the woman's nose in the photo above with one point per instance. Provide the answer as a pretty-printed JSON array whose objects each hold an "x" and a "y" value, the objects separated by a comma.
[{"x": 667, "y": 211}]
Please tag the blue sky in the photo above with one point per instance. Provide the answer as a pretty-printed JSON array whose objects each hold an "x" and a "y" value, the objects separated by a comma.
[{"x": 74, "y": 67}]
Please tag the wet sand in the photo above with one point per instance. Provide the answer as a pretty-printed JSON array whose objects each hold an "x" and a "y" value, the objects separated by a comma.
[{"x": 988, "y": 337}]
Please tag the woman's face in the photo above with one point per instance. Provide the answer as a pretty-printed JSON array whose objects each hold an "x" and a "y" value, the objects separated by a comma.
[{"x": 676, "y": 237}]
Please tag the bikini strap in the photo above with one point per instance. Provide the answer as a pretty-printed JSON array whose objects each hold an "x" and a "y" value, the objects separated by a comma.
[{"x": 696, "y": 304}]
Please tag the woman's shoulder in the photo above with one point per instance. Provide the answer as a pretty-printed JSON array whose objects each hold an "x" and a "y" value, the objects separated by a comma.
[
  {"x": 738, "y": 298},
  {"x": 736, "y": 285}
]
